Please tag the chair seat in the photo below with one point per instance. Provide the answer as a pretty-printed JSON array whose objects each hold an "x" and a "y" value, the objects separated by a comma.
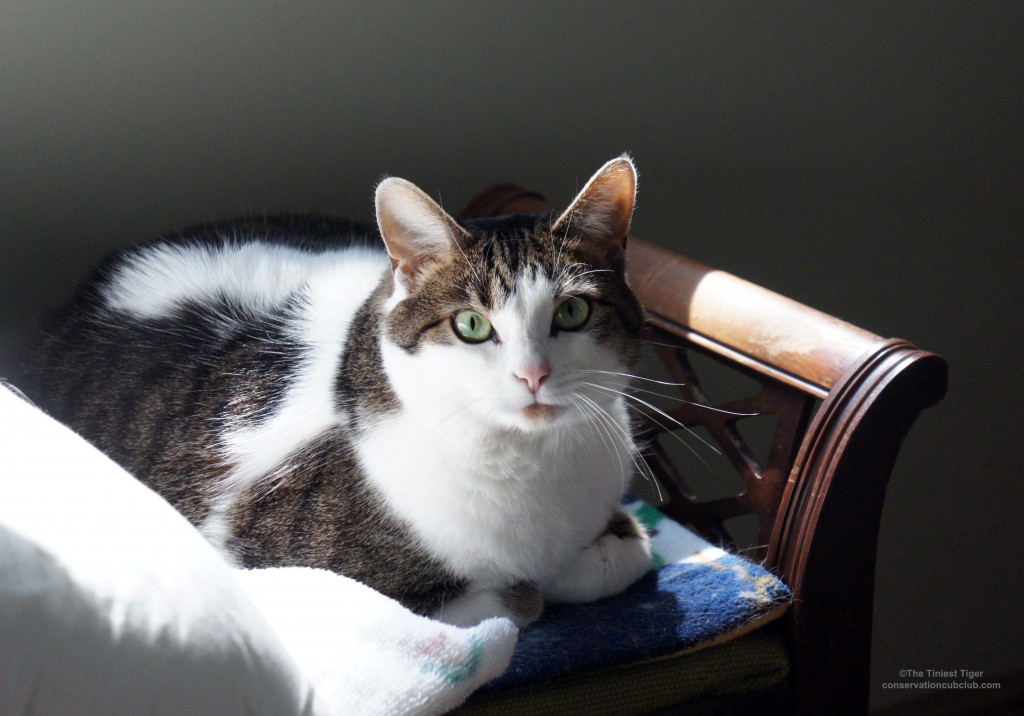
[{"x": 673, "y": 635}]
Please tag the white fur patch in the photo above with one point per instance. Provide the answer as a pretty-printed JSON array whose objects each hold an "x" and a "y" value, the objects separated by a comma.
[
  {"x": 496, "y": 504},
  {"x": 524, "y": 323},
  {"x": 255, "y": 274},
  {"x": 487, "y": 492}
]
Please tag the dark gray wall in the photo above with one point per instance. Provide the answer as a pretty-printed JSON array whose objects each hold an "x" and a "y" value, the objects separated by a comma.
[{"x": 866, "y": 159}]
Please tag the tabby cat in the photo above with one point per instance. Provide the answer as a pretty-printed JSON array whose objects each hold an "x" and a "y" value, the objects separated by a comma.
[{"x": 442, "y": 420}]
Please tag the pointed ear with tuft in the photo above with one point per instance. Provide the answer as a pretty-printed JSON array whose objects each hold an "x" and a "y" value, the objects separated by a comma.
[
  {"x": 415, "y": 229},
  {"x": 601, "y": 212}
]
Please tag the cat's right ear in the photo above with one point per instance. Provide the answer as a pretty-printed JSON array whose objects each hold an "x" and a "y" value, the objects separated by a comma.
[{"x": 415, "y": 229}]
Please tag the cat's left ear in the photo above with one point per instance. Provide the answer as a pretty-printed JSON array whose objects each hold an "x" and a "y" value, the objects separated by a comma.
[
  {"x": 415, "y": 229},
  {"x": 601, "y": 212}
]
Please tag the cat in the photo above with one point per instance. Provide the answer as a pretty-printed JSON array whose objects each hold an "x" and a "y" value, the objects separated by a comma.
[{"x": 439, "y": 417}]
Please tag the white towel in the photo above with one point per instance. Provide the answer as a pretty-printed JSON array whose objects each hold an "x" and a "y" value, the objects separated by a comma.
[{"x": 367, "y": 654}]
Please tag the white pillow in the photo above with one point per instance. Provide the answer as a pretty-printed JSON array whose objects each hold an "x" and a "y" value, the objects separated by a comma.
[{"x": 110, "y": 602}]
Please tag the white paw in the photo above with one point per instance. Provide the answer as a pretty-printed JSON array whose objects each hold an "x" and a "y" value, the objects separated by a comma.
[{"x": 604, "y": 568}]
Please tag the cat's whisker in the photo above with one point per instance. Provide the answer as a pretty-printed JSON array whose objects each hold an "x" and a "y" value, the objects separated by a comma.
[
  {"x": 555, "y": 265},
  {"x": 660, "y": 412},
  {"x": 703, "y": 406},
  {"x": 455, "y": 241},
  {"x": 669, "y": 430},
  {"x": 602, "y": 431},
  {"x": 630, "y": 451},
  {"x": 587, "y": 273},
  {"x": 627, "y": 442},
  {"x": 569, "y": 279},
  {"x": 664, "y": 345},
  {"x": 453, "y": 413},
  {"x": 633, "y": 377},
  {"x": 565, "y": 236},
  {"x": 643, "y": 390}
]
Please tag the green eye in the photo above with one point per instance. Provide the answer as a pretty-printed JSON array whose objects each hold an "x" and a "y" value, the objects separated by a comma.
[
  {"x": 471, "y": 326},
  {"x": 572, "y": 313}
]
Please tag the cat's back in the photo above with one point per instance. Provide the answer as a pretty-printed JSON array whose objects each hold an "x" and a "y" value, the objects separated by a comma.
[
  {"x": 215, "y": 320},
  {"x": 247, "y": 267}
]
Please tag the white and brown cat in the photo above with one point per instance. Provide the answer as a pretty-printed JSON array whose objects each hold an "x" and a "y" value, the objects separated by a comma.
[{"x": 441, "y": 420}]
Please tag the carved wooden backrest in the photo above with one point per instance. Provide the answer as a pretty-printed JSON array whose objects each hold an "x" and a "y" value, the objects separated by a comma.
[
  {"x": 842, "y": 400},
  {"x": 763, "y": 476}
]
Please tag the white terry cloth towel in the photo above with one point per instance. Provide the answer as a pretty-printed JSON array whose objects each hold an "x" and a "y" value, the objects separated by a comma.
[
  {"x": 112, "y": 603},
  {"x": 367, "y": 654}
]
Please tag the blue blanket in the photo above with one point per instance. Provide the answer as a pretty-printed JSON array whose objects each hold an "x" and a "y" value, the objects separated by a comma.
[{"x": 697, "y": 594}]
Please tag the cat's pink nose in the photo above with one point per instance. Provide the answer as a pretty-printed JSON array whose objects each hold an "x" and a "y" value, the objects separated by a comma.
[{"x": 533, "y": 375}]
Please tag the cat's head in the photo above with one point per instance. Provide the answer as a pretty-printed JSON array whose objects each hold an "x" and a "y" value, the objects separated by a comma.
[{"x": 520, "y": 321}]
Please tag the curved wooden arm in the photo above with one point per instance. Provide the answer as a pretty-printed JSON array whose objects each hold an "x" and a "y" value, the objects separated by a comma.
[{"x": 744, "y": 322}]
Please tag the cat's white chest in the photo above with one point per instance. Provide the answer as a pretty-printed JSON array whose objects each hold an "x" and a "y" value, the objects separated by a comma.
[{"x": 499, "y": 510}]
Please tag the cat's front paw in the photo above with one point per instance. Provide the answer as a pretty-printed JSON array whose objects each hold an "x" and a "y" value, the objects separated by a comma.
[{"x": 619, "y": 557}]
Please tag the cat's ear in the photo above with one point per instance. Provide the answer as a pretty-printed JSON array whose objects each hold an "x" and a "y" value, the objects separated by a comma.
[
  {"x": 415, "y": 229},
  {"x": 601, "y": 212}
]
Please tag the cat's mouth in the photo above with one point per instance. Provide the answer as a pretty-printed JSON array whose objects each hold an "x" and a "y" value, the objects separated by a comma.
[{"x": 542, "y": 412}]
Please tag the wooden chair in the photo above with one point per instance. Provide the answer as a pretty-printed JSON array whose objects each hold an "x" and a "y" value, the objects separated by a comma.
[{"x": 843, "y": 400}]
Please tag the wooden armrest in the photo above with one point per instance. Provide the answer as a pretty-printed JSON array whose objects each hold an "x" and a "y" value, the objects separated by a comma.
[{"x": 744, "y": 322}]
